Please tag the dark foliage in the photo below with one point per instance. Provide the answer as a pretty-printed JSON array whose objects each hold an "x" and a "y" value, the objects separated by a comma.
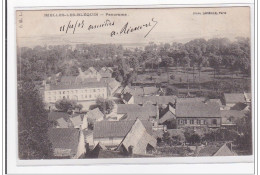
[{"x": 32, "y": 124}]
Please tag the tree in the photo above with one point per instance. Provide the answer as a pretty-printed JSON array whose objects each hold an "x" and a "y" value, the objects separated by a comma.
[
  {"x": 106, "y": 106},
  {"x": 32, "y": 124},
  {"x": 65, "y": 105},
  {"x": 79, "y": 107}
]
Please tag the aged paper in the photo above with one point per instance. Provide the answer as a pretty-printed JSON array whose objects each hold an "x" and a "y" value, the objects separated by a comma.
[{"x": 127, "y": 83}]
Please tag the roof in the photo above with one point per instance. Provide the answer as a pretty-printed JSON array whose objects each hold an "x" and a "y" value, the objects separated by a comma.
[
  {"x": 226, "y": 116},
  {"x": 127, "y": 96},
  {"x": 64, "y": 138},
  {"x": 68, "y": 79},
  {"x": 197, "y": 99},
  {"x": 76, "y": 121},
  {"x": 140, "y": 115},
  {"x": 160, "y": 100},
  {"x": 150, "y": 90},
  {"x": 239, "y": 106},
  {"x": 134, "y": 90},
  {"x": 105, "y": 129},
  {"x": 95, "y": 114},
  {"x": 216, "y": 101},
  {"x": 234, "y": 98},
  {"x": 197, "y": 109},
  {"x": 216, "y": 150},
  {"x": 62, "y": 123},
  {"x": 167, "y": 116},
  {"x": 138, "y": 138},
  {"x": 82, "y": 85},
  {"x": 53, "y": 116},
  {"x": 150, "y": 110}
]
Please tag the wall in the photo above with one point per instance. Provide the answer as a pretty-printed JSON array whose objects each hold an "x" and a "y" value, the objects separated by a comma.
[
  {"x": 202, "y": 122},
  {"x": 113, "y": 141}
]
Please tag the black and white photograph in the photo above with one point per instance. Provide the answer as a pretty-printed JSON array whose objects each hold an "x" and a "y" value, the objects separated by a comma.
[{"x": 134, "y": 83}]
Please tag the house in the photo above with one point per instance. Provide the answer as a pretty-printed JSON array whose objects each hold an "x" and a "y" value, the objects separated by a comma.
[
  {"x": 62, "y": 123},
  {"x": 138, "y": 140},
  {"x": 111, "y": 133},
  {"x": 146, "y": 110},
  {"x": 111, "y": 84},
  {"x": 233, "y": 98},
  {"x": 128, "y": 98},
  {"x": 60, "y": 119},
  {"x": 134, "y": 90},
  {"x": 229, "y": 117},
  {"x": 154, "y": 100},
  {"x": 76, "y": 121},
  {"x": 94, "y": 115},
  {"x": 168, "y": 115},
  {"x": 217, "y": 150},
  {"x": 106, "y": 72},
  {"x": 67, "y": 142},
  {"x": 79, "y": 92},
  {"x": 197, "y": 114}
]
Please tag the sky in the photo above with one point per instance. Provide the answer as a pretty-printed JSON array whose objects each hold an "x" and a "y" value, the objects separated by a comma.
[{"x": 172, "y": 25}]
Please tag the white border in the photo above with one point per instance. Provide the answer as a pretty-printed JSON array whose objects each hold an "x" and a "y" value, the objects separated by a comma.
[{"x": 182, "y": 165}]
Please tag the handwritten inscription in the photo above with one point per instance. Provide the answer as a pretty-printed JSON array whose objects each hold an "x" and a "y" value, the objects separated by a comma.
[
  {"x": 128, "y": 29},
  {"x": 73, "y": 27}
]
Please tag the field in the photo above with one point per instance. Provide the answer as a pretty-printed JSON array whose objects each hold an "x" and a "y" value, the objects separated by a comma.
[{"x": 184, "y": 79}]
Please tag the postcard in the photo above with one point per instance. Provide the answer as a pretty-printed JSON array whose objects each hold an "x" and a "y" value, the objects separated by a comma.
[{"x": 134, "y": 83}]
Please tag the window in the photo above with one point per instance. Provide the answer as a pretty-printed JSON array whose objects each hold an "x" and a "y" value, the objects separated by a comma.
[
  {"x": 202, "y": 122},
  {"x": 68, "y": 97},
  {"x": 185, "y": 121},
  {"x": 89, "y": 96},
  {"x": 191, "y": 121},
  {"x": 94, "y": 90},
  {"x": 86, "y": 96},
  {"x": 63, "y": 92},
  {"x": 181, "y": 121},
  {"x": 214, "y": 121}
]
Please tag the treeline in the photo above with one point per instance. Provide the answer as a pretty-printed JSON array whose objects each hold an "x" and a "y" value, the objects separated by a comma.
[{"x": 39, "y": 62}]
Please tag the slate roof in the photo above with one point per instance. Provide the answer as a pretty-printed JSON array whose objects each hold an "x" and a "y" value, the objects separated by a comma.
[
  {"x": 216, "y": 150},
  {"x": 54, "y": 116},
  {"x": 95, "y": 114},
  {"x": 234, "y": 98},
  {"x": 197, "y": 109},
  {"x": 167, "y": 116},
  {"x": 64, "y": 138},
  {"x": 61, "y": 86},
  {"x": 150, "y": 110},
  {"x": 239, "y": 106},
  {"x": 106, "y": 129},
  {"x": 160, "y": 100},
  {"x": 140, "y": 115},
  {"x": 62, "y": 123},
  {"x": 127, "y": 96}
]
